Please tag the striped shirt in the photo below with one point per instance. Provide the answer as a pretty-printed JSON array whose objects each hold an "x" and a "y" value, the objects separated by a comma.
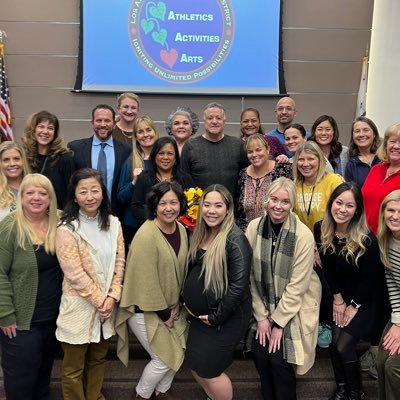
[{"x": 393, "y": 280}]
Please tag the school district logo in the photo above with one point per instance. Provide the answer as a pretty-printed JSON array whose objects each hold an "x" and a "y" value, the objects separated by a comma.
[{"x": 181, "y": 41}]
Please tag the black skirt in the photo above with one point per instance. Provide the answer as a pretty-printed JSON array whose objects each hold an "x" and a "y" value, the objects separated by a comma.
[{"x": 210, "y": 349}]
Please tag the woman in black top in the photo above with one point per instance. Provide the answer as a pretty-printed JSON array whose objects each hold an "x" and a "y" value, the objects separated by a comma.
[
  {"x": 163, "y": 166},
  {"x": 46, "y": 152},
  {"x": 350, "y": 260},
  {"x": 216, "y": 292}
]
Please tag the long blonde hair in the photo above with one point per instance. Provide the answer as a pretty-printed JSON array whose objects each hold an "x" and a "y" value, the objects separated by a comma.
[
  {"x": 7, "y": 197},
  {"x": 137, "y": 152},
  {"x": 215, "y": 265},
  {"x": 385, "y": 235},
  {"x": 25, "y": 232},
  {"x": 357, "y": 229}
]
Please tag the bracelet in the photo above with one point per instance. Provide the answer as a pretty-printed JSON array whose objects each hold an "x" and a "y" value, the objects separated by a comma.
[{"x": 338, "y": 304}]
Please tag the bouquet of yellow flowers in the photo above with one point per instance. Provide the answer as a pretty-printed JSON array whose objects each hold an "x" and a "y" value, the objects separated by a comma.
[{"x": 192, "y": 197}]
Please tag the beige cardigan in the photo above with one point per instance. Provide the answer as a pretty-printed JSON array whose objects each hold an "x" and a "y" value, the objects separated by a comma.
[
  {"x": 153, "y": 281},
  {"x": 301, "y": 297},
  {"x": 79, "y": 321}
]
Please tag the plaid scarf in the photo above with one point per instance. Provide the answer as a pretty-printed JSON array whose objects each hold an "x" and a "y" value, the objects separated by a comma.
[{"x": 272, "y": 275}]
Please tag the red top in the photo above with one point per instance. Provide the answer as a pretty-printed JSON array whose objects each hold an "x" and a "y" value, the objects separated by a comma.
[{"x": 375, "y": 189}]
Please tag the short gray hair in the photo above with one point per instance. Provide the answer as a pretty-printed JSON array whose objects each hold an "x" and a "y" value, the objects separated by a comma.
[{"x": 187, "y": 112}]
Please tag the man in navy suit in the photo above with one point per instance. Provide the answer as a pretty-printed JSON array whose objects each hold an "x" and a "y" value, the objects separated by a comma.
[{"x": 87, "y": 151}]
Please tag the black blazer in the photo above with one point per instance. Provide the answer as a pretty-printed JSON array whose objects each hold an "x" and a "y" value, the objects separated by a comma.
[{"x": 82, "y": 149}]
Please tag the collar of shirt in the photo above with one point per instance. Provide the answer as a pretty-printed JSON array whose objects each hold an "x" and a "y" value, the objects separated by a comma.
[{"x": 98, "y": 142}]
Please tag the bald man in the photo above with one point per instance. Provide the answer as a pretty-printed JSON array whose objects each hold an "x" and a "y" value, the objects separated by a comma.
[{"x": 285, "y": 112}]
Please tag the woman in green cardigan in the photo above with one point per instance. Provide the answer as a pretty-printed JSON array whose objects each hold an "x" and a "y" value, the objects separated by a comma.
[
  {"x": 149, "y": 306},
  {"x": 30, "y": 291}
]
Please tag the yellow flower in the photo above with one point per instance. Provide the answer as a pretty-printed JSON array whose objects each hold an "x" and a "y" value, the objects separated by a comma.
[
  {"x": 192, "y": 212},
  {"x": 190, "y": 194}
]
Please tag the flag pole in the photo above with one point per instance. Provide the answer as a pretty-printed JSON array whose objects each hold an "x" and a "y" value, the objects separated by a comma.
[{"x": 5, "y": 109}]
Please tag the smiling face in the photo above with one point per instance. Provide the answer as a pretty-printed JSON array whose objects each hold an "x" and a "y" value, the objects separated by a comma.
[
  {"x": 166, "y": 158},
  {"x": 167, "y": 210},
  {"x": 181, "y": 128},
  {"x": 343, "y": 209},
  {"x": 391, "y": 216},
  {"x": 214, "y": 123},
  {"x": 145, "y": 135},
  {"x": 278, "y": 206},
  {"x": 88, "y": 195},
  {"x": 35, "y": 201},
  {"x": 250, "y": 123},
  {"x": 128, "y": 110},
  {"x": 12, "y": 165},
  {"x": 308, "y": 165},
  {"x": 393, "y": 149},
  {"x": 285, "y": 111},
  {"x": 214, "y": 210},
  {"x": 103, "y": 124},
  {"x": 294, "y": 139},
  {"x": 44, "y": 135},
  {"x": 363, "y": 136},
  {"x": 324, "y": 133},
  {"x": 257, "y": 153}
]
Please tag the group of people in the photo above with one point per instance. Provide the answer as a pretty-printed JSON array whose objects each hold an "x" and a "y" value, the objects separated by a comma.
[{"x": 293, "y": 230}]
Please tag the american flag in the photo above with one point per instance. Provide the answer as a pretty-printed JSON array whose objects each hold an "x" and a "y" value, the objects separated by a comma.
[{"x": 5, "y": 112}]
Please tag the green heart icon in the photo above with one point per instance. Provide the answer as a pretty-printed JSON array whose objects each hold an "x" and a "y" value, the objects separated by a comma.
[
  {"x": 147, "y": 25},
  {"x": 160, "y": 36},
  {"x": 159, "y": 11}
]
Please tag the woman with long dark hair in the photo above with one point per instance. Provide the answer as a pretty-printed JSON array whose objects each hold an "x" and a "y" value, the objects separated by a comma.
[
  {"x": 46, "y": 152},
  {"x": 90, "y": 248},
  {"x": 350, "y": 259}
]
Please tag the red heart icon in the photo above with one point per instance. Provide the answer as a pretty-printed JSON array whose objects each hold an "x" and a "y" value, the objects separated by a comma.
[{"x": 169, "y": 57}]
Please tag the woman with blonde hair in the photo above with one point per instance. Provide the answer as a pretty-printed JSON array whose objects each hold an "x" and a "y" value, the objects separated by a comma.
[
  {"x": 127, "y": 109},
  {"x": 30, "y": 280},
  {"x": 313, "y": 184},
  {"x": 46, "y": 152},
  {"x": 255, "y": 180},
  {"x": 388, "y": 358},
  {"x": 286, "y": 294},
  {"x": 13, "y": 168},
  {"x": 350, "y": 259},
  {"x": 383, "y": 178},
  {"x": 216, "y": 292},
  {"x": 145, "y": 135}
]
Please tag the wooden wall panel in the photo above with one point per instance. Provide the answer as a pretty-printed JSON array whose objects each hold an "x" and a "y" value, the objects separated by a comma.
[{"x": 323, "y": 42}]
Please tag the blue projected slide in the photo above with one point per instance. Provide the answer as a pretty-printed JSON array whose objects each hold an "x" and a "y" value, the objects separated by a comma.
[{"x": 180, "y": 46}]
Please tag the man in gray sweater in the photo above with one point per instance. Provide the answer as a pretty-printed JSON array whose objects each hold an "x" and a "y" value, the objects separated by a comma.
[{"x": 214, "y": 157}]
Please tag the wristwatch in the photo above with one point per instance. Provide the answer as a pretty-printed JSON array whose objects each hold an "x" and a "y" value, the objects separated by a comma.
[{"x": 354, "y": 304}]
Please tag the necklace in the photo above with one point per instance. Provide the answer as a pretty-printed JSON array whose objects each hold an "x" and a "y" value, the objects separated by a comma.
[
  {"x": 304, "y": 200},
  {"x": 127, "y": 134},
  {"x": 274, "y": 237}
]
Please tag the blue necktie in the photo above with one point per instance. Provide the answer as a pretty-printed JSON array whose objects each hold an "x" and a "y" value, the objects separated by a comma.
[{"x": 102, "y": 163}]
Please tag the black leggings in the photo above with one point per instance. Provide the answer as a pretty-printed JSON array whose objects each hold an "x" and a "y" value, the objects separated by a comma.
[
  {"x": 277, "y": 376},
  {"x": 344, "y": 344}
]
